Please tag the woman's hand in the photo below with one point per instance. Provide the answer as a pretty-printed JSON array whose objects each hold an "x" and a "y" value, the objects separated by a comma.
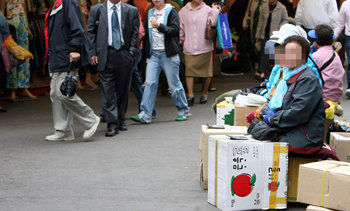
[{"x": 154, "y": 23}]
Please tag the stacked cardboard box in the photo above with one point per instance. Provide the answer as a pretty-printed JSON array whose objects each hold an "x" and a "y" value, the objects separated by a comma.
[
  {"x": 229, "y": 114},
  {"x": 225, "y": 113},
  {"x": 293, "y": 173},
  {"x": 315, "y": 208},
  {"x": 341, "y": 143},
  {"x": 247, "y": 174},
  {"x": 203, "y": 147},
  {"x": 326, "y": 184},
  {"x": 241, "y": 112}
]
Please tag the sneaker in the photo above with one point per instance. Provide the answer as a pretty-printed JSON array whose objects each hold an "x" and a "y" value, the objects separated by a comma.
[
  {"x": 136, "y": 118},
  {"x": 59, "y": 136},
  {"x": 347, "y": 92},
  {"x": 181, "y": 118},
  {"x": 91, "y": 131}
]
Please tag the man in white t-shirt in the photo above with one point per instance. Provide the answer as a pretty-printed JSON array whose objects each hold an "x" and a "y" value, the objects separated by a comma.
[{"x": 311, "y": 13}]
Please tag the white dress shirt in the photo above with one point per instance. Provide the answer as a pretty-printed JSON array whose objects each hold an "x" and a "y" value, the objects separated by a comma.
[
  {"x": 311, "y": 13},
  {"x": 343, "y": 19},
  {"x": 110, "y": 12}
]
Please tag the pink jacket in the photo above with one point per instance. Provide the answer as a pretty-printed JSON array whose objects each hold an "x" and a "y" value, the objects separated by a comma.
[
  {"x": 332, "y": 75},
  {"x": 192, "y": 28}
]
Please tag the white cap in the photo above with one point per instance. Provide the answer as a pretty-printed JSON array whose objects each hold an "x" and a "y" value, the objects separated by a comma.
[{"x": 278, "y": 37}]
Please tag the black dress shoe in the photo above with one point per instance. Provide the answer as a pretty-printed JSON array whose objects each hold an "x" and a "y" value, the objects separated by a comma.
[
  {"x": 111, "y": 132},
  {"x": 190, "y": 101},
  {"x": 203, "y": 100},
  {"x": 123, "y": 127}
]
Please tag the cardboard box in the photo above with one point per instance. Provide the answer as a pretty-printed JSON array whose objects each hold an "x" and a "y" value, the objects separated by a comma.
[
  {"x": 315, "y": 208},
  {"x": 341, "y": 143},
  {"x": 293, "y": 173},
  {"x": 247, "y": 174},
  {"x": 241, "y": 112},
  {"x": 225, "y": 113},
  {"x": 326, "y": 184},
  {"x": 203, "y": 147}
]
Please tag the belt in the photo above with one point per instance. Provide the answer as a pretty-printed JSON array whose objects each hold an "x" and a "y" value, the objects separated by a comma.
[{"x": 159, "y": 51}]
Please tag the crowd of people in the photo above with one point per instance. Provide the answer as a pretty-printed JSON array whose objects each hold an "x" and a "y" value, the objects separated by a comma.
[{"x": 118, "y": 35}]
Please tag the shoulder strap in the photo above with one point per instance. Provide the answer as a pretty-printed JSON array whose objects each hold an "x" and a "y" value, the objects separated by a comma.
[
  {"x": 328, "y": 62},
  {"x": 318, "y": 69}
]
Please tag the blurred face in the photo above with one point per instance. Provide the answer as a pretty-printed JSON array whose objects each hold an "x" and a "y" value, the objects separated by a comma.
[
  {"x": 292, "y": 56},
  {"x": 124, "y": 1},
  {"x": 272, "y": 1},
  {"x": 158, "y": 3},
  {"x": 279, "y": 53}
]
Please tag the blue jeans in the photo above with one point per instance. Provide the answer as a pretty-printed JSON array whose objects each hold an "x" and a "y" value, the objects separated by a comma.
[
  {"x": 347, "y": 44},
  {"x": 158, "y": 62},
  {"x": 136, "y": 83}
]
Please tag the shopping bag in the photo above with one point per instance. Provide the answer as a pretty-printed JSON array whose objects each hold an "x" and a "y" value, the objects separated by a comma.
[
  {"x": 19, "y": 52},
  {"x": 223, "y": 37},
  {"x": 6, "y": 57}
]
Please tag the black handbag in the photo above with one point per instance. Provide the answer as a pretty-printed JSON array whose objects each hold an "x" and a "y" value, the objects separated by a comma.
[
  {"x": 69, "y": 85},
  {"x": 262, "y": 131}
]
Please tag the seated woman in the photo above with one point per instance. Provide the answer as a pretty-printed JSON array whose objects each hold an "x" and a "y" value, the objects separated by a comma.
[{"x": 296, "y": 104}]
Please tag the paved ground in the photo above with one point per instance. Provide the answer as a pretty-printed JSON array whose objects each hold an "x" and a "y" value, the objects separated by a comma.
[{"x": 149, "y": 167}]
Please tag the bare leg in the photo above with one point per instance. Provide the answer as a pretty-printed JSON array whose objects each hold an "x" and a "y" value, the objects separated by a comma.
[
  {"x": 27, "y": 93},
  {"x": 80, "y": 86},
  {"x": 89, "y": 81},
  {"x": 189, "y": 84},
  {"x": 94, "y": 78},
  {"x": 13, "y": 94},
  {"x": 205, "y": 86}
]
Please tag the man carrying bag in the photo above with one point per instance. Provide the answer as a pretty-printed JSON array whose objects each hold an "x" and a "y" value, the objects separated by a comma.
[{"x": 66, "y": 51}]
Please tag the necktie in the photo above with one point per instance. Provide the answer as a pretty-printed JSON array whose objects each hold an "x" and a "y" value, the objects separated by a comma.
[{"x": 115, "y": 29}]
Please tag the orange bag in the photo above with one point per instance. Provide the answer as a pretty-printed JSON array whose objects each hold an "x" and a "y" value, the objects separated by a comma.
[{"x": 19, "y": 52}]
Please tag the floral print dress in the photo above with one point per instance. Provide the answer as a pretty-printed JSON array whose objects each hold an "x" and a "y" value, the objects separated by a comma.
[{"x": 19, "y": 76}]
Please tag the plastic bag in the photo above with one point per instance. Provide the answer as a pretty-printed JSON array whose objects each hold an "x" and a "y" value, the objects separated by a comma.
[
  {"x": 340, "y": 126},
  {"x": 223, "y": 38},
  {"x": 334, "y": 109},
  {"x": 19, "y": 52}
]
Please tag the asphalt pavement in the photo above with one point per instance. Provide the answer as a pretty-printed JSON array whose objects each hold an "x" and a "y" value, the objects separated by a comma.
[{"x": 148, "y": 167}]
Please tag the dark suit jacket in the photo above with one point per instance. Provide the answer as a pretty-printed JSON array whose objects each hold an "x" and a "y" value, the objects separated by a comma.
[{"x": 97, "y": 31}]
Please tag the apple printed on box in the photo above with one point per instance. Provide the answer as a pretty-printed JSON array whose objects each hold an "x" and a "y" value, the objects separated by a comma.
[
  {"x": 247, "y": 174},
  {"x": 225, "y": 113}
]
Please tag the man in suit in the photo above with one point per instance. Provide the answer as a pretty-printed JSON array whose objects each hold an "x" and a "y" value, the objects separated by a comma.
[
  {"x": 113, "y": 34},
  {"x": 66, "y": 49}
]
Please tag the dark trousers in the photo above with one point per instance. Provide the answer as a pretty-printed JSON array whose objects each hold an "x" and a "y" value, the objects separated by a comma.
[
  {"x": 264, "y": 59},
  {"x": 116, "y": 79}
]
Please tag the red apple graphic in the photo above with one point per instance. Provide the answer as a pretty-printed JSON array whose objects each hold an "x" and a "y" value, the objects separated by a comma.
[
  {"x": 273, "y": 186},
  {"x": 242, "y": 185}
]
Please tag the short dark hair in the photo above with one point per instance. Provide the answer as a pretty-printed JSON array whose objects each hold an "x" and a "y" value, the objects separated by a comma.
[
  {"x": 305, "y": 45},
  {"x": 324, "y": 35}
]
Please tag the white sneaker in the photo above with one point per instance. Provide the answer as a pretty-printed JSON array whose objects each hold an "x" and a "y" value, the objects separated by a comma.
[
  {"x": 59, "y": 136},
  {"x": 91, "y": 131},
  {"x": 347, "y": 92}
]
